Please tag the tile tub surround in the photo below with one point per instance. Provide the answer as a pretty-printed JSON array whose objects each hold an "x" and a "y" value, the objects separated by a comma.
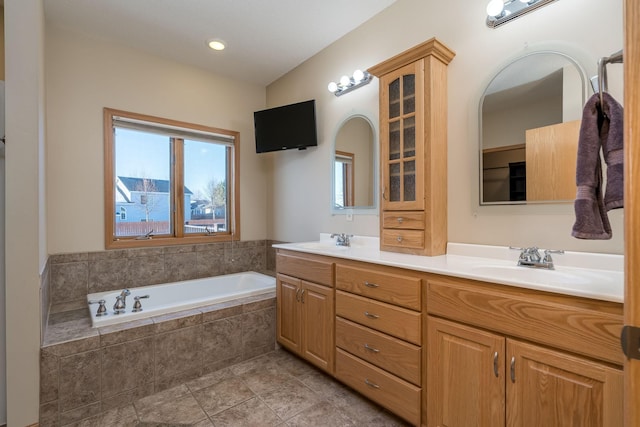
[
  {"x": 73, "y": 276},
  {"x": 85, "y": 371}
]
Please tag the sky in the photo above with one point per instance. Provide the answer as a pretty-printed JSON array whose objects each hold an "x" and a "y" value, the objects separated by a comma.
[{"x": 146, "y": 155}]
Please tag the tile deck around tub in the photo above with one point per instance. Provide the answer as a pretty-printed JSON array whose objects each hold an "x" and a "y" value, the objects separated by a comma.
[{"x": 275, "y": 389}]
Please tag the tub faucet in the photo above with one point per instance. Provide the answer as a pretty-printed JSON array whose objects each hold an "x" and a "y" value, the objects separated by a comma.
[
  {"x": 123, "y": 295},
  {"x": 118, "y": 307},
  {"x": 342, "y": 239}
]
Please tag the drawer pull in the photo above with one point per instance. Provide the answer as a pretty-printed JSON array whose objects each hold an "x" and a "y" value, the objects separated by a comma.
[
  {"x": 371, "y": 349},
  {"x": 370, "y": 384},
  {"x": 370, "y": 285},
  {"x": 400, "y": 220},
  {"x": 399, "y": 239},
  {"x": 495, "y": 364},
  {"x": 371, "y": 315}
]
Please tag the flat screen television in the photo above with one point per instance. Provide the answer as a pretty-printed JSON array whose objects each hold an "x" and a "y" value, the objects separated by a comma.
[{"x": 287, "y": 127}]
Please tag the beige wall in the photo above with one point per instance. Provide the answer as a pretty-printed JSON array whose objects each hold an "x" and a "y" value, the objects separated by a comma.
[
  {"x": 83, "y": 75},
  {"x": 1, "y": 42},
  {"x": 25, "y": 205},
  {"x": 300, "y": 187}
]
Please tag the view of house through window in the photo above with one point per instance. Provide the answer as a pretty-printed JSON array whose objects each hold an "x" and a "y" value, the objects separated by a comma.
[{"x": 169, "y": 181}]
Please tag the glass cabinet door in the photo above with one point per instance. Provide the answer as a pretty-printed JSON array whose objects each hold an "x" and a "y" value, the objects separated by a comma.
[{"x": 400, "y": 159}]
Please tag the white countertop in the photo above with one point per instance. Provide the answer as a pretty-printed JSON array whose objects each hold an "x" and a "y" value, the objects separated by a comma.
[{"x": 582, "y": 274}]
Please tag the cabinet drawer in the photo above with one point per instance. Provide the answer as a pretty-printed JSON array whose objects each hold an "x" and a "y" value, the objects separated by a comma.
[
  {"x": 391, "y": 354},
  {"x": 400, "y": 397},
  {"x": 405, "y": 220},
  {"x": 413, "y": 239},
  {"x": 313, "y": 269},
  {"x": 385, "y": 286},
  {"x": 396, "y": 321}
]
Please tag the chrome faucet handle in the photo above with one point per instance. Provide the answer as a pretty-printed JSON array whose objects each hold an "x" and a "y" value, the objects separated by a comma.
[
  {"x": 524, "y": 253},
  {"x": 102, "y": 309},
  {"x": 547, "y": 255},
  {"x": 137, "y": 306}
]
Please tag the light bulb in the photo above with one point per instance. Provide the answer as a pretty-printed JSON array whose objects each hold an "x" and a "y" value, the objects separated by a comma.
[
  {"x": 216, "y": 45},
  {"x": 495, "y": 8},
  {"x": 333, "y": 87},
  {"x": 345, "y": 81},
  {"x": 358, "y": 76}
]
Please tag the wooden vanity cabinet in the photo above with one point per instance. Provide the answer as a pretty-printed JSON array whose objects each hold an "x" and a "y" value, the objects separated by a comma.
[
  {"x": 379, "y": 335},
  {"x": 305, "y": 308},
  {"x": 413, "y": 149},
  {"x": 512, "y": 357}
]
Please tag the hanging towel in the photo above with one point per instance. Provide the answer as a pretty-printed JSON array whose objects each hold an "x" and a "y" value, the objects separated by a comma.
[
  {"x": 591, "y": 215},
  {"x": 611, "y": 136}
]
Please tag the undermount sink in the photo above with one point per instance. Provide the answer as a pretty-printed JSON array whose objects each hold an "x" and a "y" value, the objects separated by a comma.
[{"x": 514, "y": 272}]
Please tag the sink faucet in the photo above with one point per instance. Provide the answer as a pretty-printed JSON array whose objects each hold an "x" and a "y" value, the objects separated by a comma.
[
  {"x": 342, "y": 239},
  {"x": 530, "y": 257}
]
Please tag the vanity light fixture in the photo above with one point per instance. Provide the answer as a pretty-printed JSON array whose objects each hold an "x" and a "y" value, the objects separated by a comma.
[
  {"x": 502, "y": 11},
  {"x": 347, "y": 84}
]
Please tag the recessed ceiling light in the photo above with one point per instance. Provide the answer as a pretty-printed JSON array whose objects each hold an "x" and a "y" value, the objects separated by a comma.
[{"x": 216, "y": 44}]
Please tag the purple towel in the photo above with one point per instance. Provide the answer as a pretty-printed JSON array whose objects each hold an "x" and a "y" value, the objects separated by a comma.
[
  {"x": 612, "y": 138},
  {"x": 591, "y": 215}
]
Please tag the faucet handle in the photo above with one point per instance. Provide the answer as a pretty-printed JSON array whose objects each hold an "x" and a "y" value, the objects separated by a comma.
[
  {"x": 137, "y": 306},
  {"x": 548, "y": 252},
  {"x": 102, "y": 309}
]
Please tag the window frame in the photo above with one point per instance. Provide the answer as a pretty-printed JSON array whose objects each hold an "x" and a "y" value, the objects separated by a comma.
[{"x": 177, "y": 180}]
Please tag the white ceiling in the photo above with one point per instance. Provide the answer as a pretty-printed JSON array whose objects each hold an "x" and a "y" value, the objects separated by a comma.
[{"x": 265, "y": 39}]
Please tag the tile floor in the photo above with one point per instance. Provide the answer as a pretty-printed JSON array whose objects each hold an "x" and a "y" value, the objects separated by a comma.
[{"x": 276, "y": 389}]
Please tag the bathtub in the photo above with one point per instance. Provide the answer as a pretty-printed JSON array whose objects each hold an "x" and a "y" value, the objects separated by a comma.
[{"x": 171, "y": 297}]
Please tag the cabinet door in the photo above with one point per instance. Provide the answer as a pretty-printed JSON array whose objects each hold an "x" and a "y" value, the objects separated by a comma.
[
  {"x": 401, "y": 130},
  {"x": 465, "y": 376},
  {"x": 547, "y": 388},
  {"x": 288, "y": 312},
  {"x": 318, "y": 320}
]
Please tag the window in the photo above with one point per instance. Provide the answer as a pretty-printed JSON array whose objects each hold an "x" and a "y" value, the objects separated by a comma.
[{"x": 169, "y": 182}]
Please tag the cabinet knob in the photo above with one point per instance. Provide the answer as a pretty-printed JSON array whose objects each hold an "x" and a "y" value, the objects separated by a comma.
[{"x": 399, "y": 239}]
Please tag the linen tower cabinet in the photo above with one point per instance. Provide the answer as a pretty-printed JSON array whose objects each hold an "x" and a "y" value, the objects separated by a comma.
[{"x": 413, "y": 149}]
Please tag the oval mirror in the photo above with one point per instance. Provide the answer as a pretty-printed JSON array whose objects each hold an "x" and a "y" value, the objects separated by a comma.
[
  {"x": 353, "y": 164},
  {"x": 529, "y": 124}
]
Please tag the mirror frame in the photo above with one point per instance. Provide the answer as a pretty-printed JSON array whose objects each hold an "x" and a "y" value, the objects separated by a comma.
[
  {"x": 358, "y": 210},
  {"x": 584, "y": 84}
]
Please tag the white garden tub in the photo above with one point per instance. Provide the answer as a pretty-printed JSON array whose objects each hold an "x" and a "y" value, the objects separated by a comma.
[{"x": 171, "y": 297}]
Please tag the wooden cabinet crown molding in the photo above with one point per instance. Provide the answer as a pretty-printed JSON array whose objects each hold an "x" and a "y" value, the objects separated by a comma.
[{"x": 433, "y": 47}]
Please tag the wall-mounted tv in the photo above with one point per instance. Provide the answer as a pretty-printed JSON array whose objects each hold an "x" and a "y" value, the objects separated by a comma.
[{"x": 286, "y": 127}]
